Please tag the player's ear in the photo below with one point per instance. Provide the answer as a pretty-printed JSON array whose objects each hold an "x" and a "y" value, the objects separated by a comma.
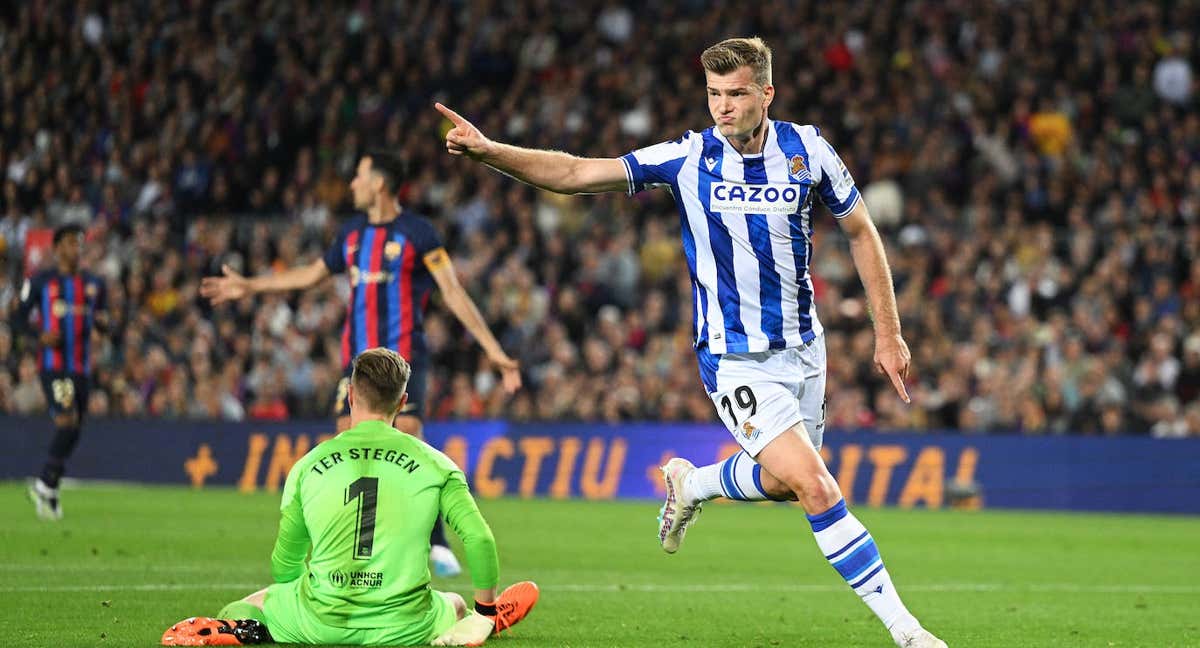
[
  {"x": 400, "y": 405},
  {"x": 350, "y": 395},
  {"x": 768, "y": 95}
]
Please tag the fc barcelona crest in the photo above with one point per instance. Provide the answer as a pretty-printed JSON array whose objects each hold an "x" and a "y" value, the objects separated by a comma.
[{"x": 391, "y": 250}]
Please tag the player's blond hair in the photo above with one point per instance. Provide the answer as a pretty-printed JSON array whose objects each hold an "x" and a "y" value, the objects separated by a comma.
[
  {"x": 733, "y": 53},
  {"x": 380, "y": 377}
]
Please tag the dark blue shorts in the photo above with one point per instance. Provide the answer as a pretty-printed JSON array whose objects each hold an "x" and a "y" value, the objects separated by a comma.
[{"x": 66, "y": 393}]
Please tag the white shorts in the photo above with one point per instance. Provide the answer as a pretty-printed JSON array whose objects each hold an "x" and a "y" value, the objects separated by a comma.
[{"x": 761, "y": 395}]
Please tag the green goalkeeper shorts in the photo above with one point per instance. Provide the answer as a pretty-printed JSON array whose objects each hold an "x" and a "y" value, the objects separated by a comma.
[{"x": 290, "y": 622}]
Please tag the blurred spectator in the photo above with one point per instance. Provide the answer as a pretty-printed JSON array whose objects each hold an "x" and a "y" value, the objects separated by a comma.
[{"x": 1034, "y": 170}]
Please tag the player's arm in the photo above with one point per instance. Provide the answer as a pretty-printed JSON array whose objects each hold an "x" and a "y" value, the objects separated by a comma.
[
  {"x": 892, "y": 356},
  {"x": 31, "y": 291},
  {"x": 291, "y": 545},
  {"x": 100, "y": 319},
  {"x": 551, "y": 170},
  {"x": 19, "y": 320},
  {"x": 232, "y": 286},
  {"x": 464, "y": 308},
  {"x": 462, "y": 514}
]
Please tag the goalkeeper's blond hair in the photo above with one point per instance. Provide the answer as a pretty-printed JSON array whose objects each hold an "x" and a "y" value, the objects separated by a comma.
[{"x": 380, "y": 377}]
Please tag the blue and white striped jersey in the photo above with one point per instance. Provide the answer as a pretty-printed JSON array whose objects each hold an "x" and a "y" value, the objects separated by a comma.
[{"x": 747, "y": 229}]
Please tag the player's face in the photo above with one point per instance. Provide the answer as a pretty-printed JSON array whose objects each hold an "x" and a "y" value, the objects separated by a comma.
[
  {"x": 736, "y": 102},
  {"x": 363, "y": 185},
  {"x": 69, "y": 249}
]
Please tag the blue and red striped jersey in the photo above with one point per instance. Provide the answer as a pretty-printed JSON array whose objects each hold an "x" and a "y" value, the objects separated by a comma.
[
  {"x": 67, "y": 304},
  {"x": 389, "y": 283}
]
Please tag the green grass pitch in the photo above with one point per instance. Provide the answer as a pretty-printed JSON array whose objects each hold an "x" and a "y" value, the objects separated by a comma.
[{"x": 128, "y": 561}]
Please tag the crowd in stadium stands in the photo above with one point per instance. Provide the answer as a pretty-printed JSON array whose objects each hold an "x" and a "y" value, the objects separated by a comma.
[{"x": 1033, "y": 167}]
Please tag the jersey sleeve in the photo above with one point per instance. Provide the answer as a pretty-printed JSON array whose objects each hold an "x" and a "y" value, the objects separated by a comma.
[
  {"x": 835, "y": 185},
  {"x": 335, "y": 256},
  {"x": 291, "y": 545},
  {"x": 425, "y": 238},
  {"x": 462, "y": 514},
  {"x": 657, "y": 165}
]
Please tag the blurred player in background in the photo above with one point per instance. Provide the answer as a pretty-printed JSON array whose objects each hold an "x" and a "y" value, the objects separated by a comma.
[
  {"x": 394, "y": 259},
  {"x": 364, "y": 503},
  {"x": 744, "y": 189},
  {"x": 70, "y": 303}
]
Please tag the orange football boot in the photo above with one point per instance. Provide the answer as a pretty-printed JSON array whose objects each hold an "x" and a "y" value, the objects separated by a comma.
[
  {"x": 205, "y": 631},
  {"x": 514, "y": 603}
]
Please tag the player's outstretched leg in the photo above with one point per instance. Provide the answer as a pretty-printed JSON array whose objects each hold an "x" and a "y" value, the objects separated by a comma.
[
  {"x": 844, "y": 541},
  {"x": 851, "y": 550},
  {"x": 738, "y": 477},
  {"x": 206, "y": 631}
]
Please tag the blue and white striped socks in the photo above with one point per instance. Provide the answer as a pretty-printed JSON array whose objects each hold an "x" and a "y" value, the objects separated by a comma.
[
  {"x": 849, "y": 547},
  {"x": 738, "y": 478}
]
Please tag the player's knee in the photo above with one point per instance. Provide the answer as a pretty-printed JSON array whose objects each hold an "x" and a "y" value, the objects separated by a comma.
[
  {"x": 460, "y": 604},
  {"x": 65, "y": 420},
  {"x": 819, "y": 493}
]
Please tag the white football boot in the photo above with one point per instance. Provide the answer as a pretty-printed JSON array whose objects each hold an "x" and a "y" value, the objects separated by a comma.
[
  {"x": 677, "y": 513},
  {"x": 919, "y": 638},
  {"x": 45, "y": 500}
]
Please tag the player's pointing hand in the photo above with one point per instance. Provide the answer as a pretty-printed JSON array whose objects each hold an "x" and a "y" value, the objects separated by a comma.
[
  {"x": 893, "y": 359},
  {"x": 463, "y": 138},
  {"x": 230, "y": 287}
]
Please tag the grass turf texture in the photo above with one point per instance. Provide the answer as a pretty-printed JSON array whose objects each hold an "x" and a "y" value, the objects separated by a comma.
[{"x": 126, "y": 562}]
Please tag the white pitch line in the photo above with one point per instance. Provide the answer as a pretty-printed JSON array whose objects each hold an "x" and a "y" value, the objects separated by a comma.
[
  {"x": 713, "y": 588},
  {"x": 72, "y": 567},
  {"x": 149, "y": 587},
  {"x": 931, "y": 587}
]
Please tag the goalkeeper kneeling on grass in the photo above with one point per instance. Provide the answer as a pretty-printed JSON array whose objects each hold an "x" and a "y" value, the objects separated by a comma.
[{"x": 364, "y": 503}]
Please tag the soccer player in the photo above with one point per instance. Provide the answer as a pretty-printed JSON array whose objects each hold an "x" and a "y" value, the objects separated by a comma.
[
  {"x": 394, "y": 259},
  {"x": 70, "y": 303},
  {"x": 364, "y": 503},
  {"x": 744, "y": 189}
]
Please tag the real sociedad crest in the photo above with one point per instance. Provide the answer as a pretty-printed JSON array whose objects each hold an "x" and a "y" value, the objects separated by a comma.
[{"x": 797, "y": 169}]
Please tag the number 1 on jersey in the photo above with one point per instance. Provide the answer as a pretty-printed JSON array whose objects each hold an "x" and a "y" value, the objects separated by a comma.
[{"x": 366, "y": 491}]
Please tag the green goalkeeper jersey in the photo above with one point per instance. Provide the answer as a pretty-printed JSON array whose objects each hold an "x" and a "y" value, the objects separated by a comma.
[{"x": 366, "y": 501}]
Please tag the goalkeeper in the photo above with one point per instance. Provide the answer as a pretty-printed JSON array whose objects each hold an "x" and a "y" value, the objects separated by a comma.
[{"x": 364, "y": 502}]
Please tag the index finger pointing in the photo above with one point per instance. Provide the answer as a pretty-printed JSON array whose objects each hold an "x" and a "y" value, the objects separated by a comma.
[
  {"x": 898, "y": 383},
  {"x": 450, "y": 114}
]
